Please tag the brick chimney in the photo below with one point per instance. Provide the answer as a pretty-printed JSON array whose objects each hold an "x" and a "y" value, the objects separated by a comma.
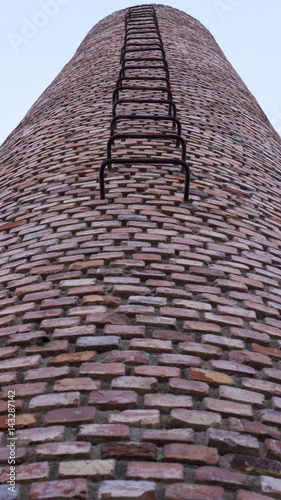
[{"x": 140, "y": 352}]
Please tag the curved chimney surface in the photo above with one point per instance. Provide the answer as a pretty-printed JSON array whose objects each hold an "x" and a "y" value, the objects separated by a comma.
[{"x": 141, "y": 335}]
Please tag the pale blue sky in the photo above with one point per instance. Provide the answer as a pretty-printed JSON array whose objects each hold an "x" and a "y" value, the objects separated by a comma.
[{"x": 38, "y": 37}]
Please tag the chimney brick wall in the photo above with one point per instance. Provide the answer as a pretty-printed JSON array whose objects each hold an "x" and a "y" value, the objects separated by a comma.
[{"x": 141, "y": 339}]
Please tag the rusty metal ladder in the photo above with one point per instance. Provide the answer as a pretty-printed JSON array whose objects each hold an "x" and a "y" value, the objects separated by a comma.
[{"x": 142, "y": 35}]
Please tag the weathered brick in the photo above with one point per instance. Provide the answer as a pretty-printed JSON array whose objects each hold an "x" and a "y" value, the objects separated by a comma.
[
  {"x": 255, "y": 428},
  {"x": 22, "y": 390},
  {"x": 59, "y": 489},
  {"x": 99, "y": 344},
  {"x": 79, "y": 384},
  {"x": 166, "y": 402},
  {"x": 28, "y": 472},
  {"x": 228, "y": 407},
  {"x": 61, "y": 400},
  {"x": 97, "y": 469},
  {"x": 198, "y": 420},
  {"x": 213, "y": 378},
  {"x": 138, "y": 384},
  {"x": 103, "y": 432},
  {"x": 151, "y": 345},
  {"x": 40, "y": 435},
  {"x": 130, "y": 357},
  {"x": 127, "y": 490},
  {"x": 162, "y": 373},
  {"x": 273, "y": 448},
  {"x": 223, "y": 477},
  {"x": 241, "y": 395},
  {"x": 183, "y": 491},
  {"x": 138, "y": 418},
  {"x": 229, "y": 442},
  {"x": 161, "y": 437},
  {"x": 113, "y": 400},
  {"x": 72, "y": 358},
  {"x": 271, "y": 486},
  {"x": 105, "y": 371},
  {"x": 155, "y": 471},
  {"x": 47, "y": 373},
  {"x": 70, "y": 416},
  {"x": 53, "y": 451},
  {"x": 121, "y": 451},
  {"x": 255, "y": 465},
  {"x": 249, "y": 495},
  {"x": 178, "y": 452}
]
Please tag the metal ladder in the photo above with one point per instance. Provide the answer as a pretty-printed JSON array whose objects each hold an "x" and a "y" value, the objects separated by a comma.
[{"x": 142, "y": 35}]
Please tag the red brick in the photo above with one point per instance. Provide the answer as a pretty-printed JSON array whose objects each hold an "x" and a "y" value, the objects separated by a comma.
[
  {"x": 151, "y": 345},
  {"x": 213, "y": 378},
  {"x": 198, "y": 420},
  {"x": 96, "y": 469},
  {"x": 271, "y": 486},
  {"x": 40, "y": 435},
  {"x": 203, "y": 351},
  {"x": 232, "y": 442},
  {"x": 121, "y": 451},
  {"x": 249, "y": 495},
  {"x": 103, "y": 432},
  {"x": 105, "y": 371},
  {"x": 22, "y": 390},
  {"x": 166, "y": 402},
  {"x": 254, "y": 428},
  {"x": 222, "y": 477},
  {"x": 59, "y": 489},
  {"x": 70, "y": 416},
  {"x": 250, "y": 358},
  {"x": 74, "y": 332},
  {"x": 28, "y": 472},
  {"x": 232, "y": 367},
  {"x": 49, "y": 348},
  {"x": 125, "y": 331},
  {"x": 61, "y": 400},
  {"x": 155, "y": 471},
  {"x": 72, "y": 358},
  {"x": 240, "y": 395},
  {"x": 223, "y": 320},
  {"x": 138, "y": 418},
  {"x": 47, "y": 373},
  {"x": 173, "y": 336},
  {"x": 131, "y": 490},
  {"x": 189, "y": 453},
  {"x": 180, "y": 386},
  {"x": 185, "y": 491},
  {"x": 161, "y": 437},
  {"x": 267, "y": 351},
  {"x": 181, "y": 360},
  {"x": 128, "y": 357},
  {"x": 228, "y": 407},
  {"x": 20, "y": 454},
  {"x": 79, "y": 384},
  {"x": 8, "y": 352},
  {"x": 113, "y": 400},
  {"x": 53, "y": 451},
  {"x": 25, "y": 362},
  {"x": 273, "y": 448},
  {"x": 139, "y": 384},
  {"x": 270, "y": 417},
  {"x": 255, "y": 465},
  {"x": 99, "y": 344},
  {"x": 160, "y": 372},
  {"x": 263, "y": 386}
]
